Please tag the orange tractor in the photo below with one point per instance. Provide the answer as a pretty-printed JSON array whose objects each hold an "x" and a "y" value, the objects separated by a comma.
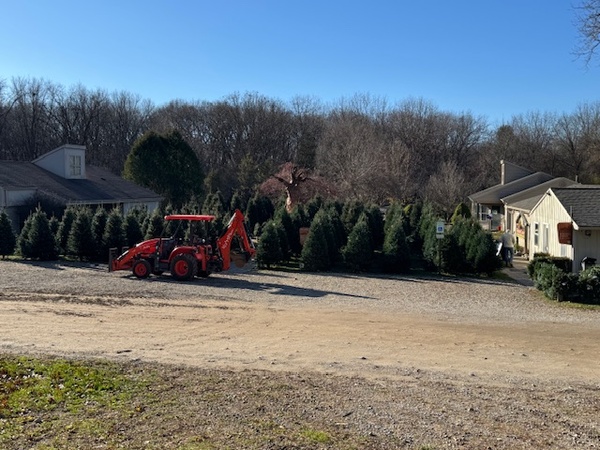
[{"x": 185, "y": 260}]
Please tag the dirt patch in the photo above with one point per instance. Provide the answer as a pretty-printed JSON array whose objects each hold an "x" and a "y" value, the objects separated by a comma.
[{"x": 432, "y": 355}]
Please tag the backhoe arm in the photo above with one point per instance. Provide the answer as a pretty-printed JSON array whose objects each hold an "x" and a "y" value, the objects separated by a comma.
[{"x": 235, "y": 227}]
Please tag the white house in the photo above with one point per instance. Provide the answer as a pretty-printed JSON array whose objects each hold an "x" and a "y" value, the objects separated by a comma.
[
  {"x": 63, "y": 175},
  {"x": 566, "y": 222},
  {"x": 488, "y": 205}
]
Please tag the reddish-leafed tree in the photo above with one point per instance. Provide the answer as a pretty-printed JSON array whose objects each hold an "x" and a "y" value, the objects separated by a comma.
[{"x": 298, "y": 184}]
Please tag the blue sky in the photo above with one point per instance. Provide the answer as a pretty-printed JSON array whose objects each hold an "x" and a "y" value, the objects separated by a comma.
[{"x": 492, "y": 58}]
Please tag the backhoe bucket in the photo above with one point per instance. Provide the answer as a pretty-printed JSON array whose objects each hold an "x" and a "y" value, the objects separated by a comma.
[{"x": 239, "y": 259}]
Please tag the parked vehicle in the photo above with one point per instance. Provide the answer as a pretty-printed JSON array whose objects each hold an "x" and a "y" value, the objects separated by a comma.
[{"x": 186, "y": 260}]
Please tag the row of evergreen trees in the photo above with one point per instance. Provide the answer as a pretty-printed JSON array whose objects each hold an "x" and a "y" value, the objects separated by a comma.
[
  {"x": 88, "y": 234},
  {"x": 359, "y": 238},
  {"x": 346, "y": 236}
]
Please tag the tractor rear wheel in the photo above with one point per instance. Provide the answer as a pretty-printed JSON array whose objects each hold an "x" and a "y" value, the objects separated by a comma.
[
  {"x": 184, "y": 267},
  {"x": 141, "y": 268}
]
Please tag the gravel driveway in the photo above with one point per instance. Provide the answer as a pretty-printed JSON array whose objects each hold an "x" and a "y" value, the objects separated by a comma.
[{"x": 455, "y": 340}]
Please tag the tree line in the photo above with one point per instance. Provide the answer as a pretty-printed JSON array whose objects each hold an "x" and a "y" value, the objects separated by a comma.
[{"x": 370, "y": 150}]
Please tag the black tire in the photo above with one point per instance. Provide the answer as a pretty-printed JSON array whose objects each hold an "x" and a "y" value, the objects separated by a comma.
[
  {"x": 184, "y": 267},
  {"x": 203, "y": 274},
  {"x": 141, "y": 268}
]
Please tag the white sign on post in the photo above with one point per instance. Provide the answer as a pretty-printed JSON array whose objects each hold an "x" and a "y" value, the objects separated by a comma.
[{"x": 439, "y": 229}]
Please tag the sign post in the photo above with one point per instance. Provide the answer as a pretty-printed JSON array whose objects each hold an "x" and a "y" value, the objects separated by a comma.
[
  {"x": 439, "y": 229},
  {"x": 439, "y": 234}
]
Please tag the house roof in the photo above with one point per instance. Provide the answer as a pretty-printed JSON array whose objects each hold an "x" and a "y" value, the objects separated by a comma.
[
  {"x": 494, "y": 195},
  {"x": 582, "y": 202},
  {"x": 511, "y": 172},
  {"x": 526, "y": 199},
  {"x": 100, "y": 185}
]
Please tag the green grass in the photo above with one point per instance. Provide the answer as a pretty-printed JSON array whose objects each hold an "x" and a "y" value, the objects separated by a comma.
[
  {"x": 316, "y": 436},
  {"x": 41, "y": 397}
]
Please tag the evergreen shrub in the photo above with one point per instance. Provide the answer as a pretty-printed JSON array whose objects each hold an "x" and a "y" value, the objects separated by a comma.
[
  {"x": 268, "y": 251},
  {"x": 315, "y": 252},
  {"x": 358, "y": 253},
  {"x": 396, "y": 253},
  {"x": 8, "y": 239}
]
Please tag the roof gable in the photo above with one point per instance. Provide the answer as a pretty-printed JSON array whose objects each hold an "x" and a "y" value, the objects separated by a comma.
[
  {"x": 494, "y": 195},
  {"x": 526, "y": 199},
  {"x": 582, "y": 202},
  {"x": 510, "y": 172}
]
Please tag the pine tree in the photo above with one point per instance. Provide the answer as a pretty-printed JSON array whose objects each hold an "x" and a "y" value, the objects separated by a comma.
[
  {"x": 133, "y": 229},
  {"x": 358, "y": 253},
  {"x": 351, "y": 213},
  {"x": 36, "y": 239},
  {"x": 283, "y": 240},
  {"x": 376, "y": 225},
  {"x": 114, "y": 234},
  {"x": 461, "y": 210},
  {"x": 54, "y": 225},
  {"x": 313, "y": 206},
  {"x": 81, "y": 242},
  {"x": 269, "y": 251},
  {"x": 64, "y": 229},
  {"x": 315, "y": 252},
  {"x": 324, "y": 221},
  {"x": 291, "y": 231},
  {"x": 8, "y": 239},
  {"x": 396, "y": 253},
  {"x": 214, "y": 204},
  {"x": 156, "y": 224},
  {"x": 237, "y": 202},
  {"x": 338, "y": 227},
  {"x": 99, "y": 220}
]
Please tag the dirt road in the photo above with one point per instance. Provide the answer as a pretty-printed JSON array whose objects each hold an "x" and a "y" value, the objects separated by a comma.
[{"x": 368, "y": 326}]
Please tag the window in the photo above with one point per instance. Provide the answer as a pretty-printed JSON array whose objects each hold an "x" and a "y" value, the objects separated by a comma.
[
  {"x": 75, "y": 165},
  {"x": 536, "y": 234}
]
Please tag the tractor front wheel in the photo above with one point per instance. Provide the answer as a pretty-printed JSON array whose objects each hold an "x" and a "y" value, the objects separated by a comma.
[
  {"x": 142, "y": 268},
  {"x": 184, "y": 267}
]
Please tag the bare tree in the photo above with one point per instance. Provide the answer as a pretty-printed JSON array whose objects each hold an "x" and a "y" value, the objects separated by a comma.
[
  {"x": 577, "y": 141},
  {"x": 588, "y": 26},
  {"x": 447, "y": 187},
  {"x": 351, "y": 154}
]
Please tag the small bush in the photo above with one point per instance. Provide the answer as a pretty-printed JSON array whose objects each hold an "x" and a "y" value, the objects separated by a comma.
[
  {"x": 564, "y": 264},
  {"x": 589, "y": 285},
  {"x": 549, "y": 279}
]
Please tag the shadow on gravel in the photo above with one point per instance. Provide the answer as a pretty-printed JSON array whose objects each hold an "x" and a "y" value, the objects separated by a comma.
[
  {"x": 63, "y": 265},
  {"x": 246, "y": 284},
  {"x": 276, "y": 288}
]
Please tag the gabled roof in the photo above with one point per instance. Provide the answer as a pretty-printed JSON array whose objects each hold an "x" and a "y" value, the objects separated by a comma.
[
  {"x": 526, "y": 199},
  {"x": 494, "y": 194},
  {"x": 510, "y": 172},
  {"x": 582, "y": 202},
  {"x": 100, "y": 185}
]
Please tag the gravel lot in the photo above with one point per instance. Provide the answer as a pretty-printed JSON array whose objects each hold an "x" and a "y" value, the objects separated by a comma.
[{"x": 405, "y": 362}]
